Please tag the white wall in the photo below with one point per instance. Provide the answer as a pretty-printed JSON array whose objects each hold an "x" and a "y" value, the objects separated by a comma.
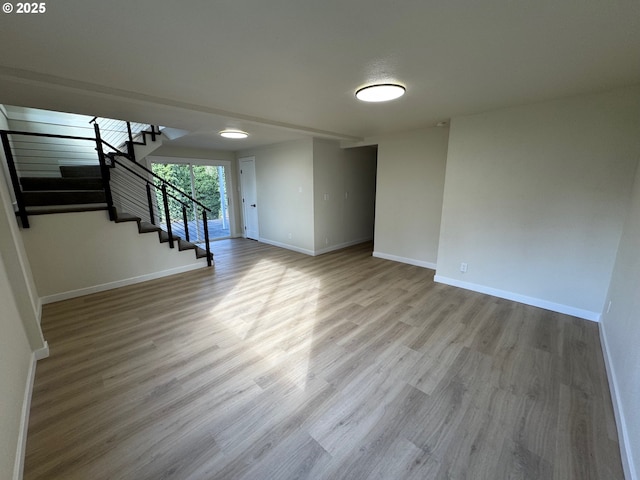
[
  {"x": 535, "y": 199},
  {"x": 620, "y": 333},
  {"x": 15, "y": 362},
  {"x": 16, "y": 260},
  {"x": 20, "y": 333},
  {"x": 73, "y": 254},
  {"x": 284, "y": 178},
  {"x": 344, "y": 195},
  {"x": 204, "y": 154},
  {"x": 410, "y": 186}
]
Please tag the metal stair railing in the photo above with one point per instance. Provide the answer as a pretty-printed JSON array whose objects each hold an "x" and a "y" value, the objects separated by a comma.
[
  {"x": 14, "y": 141},
  {"x": 121, "y": 193},
  {"x": 148, "y": 196},
  {"x": 124, "y": 134}
]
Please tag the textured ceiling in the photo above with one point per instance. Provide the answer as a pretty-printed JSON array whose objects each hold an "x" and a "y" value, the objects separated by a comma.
[{"x": 285, "y": 69}]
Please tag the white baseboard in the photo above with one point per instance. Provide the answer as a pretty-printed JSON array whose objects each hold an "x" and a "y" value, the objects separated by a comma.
[
  {"x": 516, "y": 297},
  {"x": 410, "y": 261},
  {"x": 314, "y": 253},
  {"x": 340, "y": 246},
  {"x": 18, "y": 466},
  {"x": 623, "y": 434},
  {"x": 286, "y": 245},
  {"x": 117, "y": 284}
]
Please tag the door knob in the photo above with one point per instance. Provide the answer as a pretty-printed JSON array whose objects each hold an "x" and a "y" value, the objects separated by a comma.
[{"x": 253, "y": 204}]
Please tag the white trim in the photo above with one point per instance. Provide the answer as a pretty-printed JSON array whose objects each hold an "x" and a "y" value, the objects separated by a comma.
[
  {"x": 340, "y": 246},
  {"x": 117, "y": 284},
  {"x": 516, "y": 297},
  {"x": 42, "y": 352},
  {"x": 212, "y": 162},
  {"x": 48, "y": 117},
  {"x": 623, "y": 434},
  {"x": 18, "y": 466},
  {"x": 243, "y": 207},
  {"x": 410, "y": 261},
  {"x": 4, "y": 112},
  {"x": 39, "y": 310},
  {"x": 286, "y": 245}
]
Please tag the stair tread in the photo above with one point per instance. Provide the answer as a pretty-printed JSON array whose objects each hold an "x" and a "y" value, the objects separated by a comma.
[
  {"x": 201, "y": 253},
  {"x": 146, "y": 227},
  {"x": 54, "y": 191},
  {"x": 164, "y": 237},
  {"x": 122, "y": 217},
  {"x": 80, "y": 171},
  {"x": 60, "y": 183},
  {"x": 51, "y": 209},
  {"x": 184, "y": 245},
  {"x": 62, "y": 197}
]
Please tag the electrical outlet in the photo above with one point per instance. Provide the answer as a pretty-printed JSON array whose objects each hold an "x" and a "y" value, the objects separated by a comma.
[
  {"x": 463, "y": 267},
  {"x": 290, "y": 236}
]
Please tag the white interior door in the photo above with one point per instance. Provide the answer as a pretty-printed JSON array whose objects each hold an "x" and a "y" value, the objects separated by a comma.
[{"x": 249, "y": 197}]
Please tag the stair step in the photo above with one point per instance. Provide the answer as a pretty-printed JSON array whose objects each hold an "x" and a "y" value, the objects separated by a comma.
[
  {"x": 80, "y": 171},
  {"x": 122, "y": 217},
  {"x": 164, "y": 237},
  {"x": 50, "y": 198},
  {"x": 146, "y": 227},
  {"x": 53, "y": 183},
  {"x": 201, "y": 253},
  {"x": 184, "y": 245},
  {"x": 46, "y": 210}
]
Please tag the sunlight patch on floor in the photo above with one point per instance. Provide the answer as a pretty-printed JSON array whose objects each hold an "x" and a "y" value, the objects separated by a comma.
[{"x": 279, "y": 321}]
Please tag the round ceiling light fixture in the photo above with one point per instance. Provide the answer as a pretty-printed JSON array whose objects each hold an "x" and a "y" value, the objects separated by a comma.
[
  {"x": 381, "y": 92},
  {"x": 236, "y": 134}
]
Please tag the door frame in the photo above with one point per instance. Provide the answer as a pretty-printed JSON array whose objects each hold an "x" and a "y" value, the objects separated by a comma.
[{"x": 251, "y": 159}]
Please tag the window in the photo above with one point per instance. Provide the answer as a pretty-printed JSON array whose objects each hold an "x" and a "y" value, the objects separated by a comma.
[{"x": 208, "y": 184}]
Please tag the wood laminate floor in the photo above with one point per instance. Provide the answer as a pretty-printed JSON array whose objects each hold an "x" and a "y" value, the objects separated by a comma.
[{"x": 277, "y": 365}]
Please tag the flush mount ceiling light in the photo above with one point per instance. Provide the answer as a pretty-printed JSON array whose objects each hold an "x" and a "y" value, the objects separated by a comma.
[
  {"x": 233, "y": 134},
  {"x": 381, "y": 92}
]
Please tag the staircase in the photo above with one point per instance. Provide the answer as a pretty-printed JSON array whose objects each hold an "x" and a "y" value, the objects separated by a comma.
[
  {"x": 78, "y": 189},
  {"x": 163, "y": 236},
  {"x": 116, "y": 182}
]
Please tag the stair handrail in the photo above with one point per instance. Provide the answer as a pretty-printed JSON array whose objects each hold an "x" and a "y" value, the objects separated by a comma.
[{"x": 48, "y": 135}]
